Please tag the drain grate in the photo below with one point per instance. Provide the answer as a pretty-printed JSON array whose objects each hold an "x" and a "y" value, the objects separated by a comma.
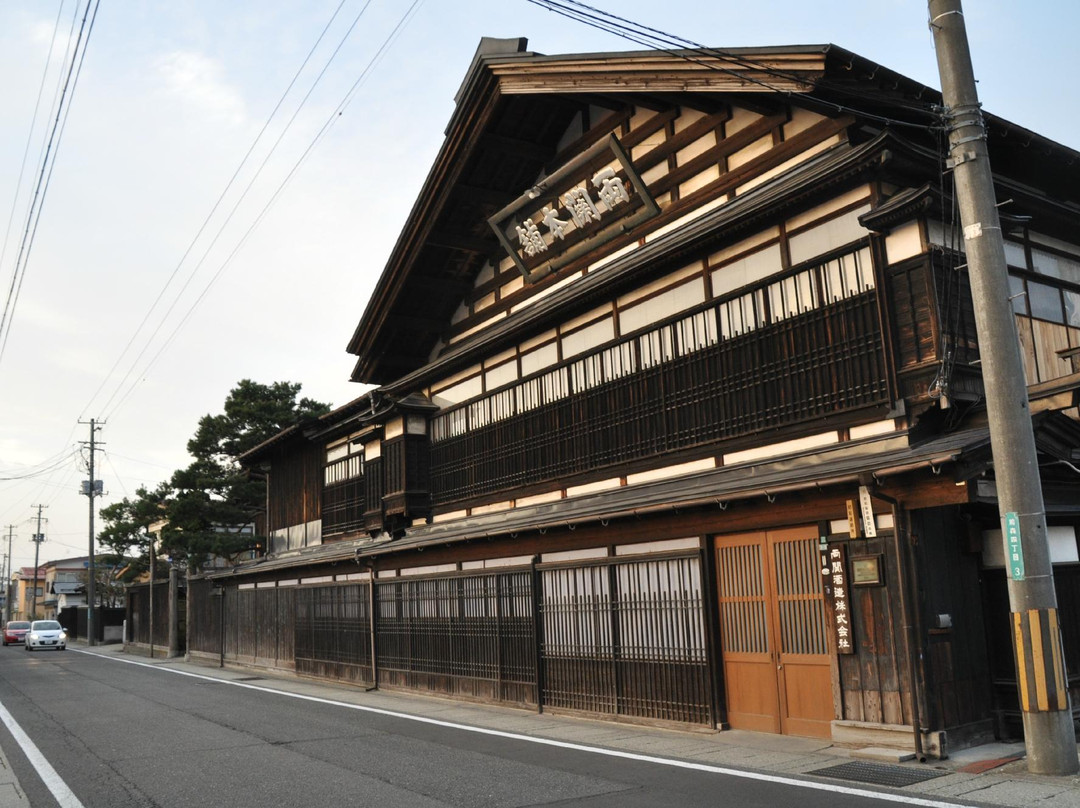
[
  {"x": 246, "y": 679},
  {"x": 878, "y": 774}
]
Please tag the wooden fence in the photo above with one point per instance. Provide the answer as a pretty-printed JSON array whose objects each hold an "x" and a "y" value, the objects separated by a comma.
[{"x": 616, "y": 637}]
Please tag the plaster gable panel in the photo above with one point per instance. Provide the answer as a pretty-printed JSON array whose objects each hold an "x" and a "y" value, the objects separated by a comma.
[
  {"x": 787, "y": 165},
  {"x": 740, "y": 119},
  {"x": 699, "y": 181},
  {"x": 744, "y": 155},
  {"x": 687, "y": 117},
  {"x": 801, "y": 120},
  {"x": 698, "y": 147}
]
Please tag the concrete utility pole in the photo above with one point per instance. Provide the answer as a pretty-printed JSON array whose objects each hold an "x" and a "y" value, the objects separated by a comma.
[
  {"x": 1044, "y": 695},
  {"x": 7, "y": 578},
  {"x": 91, "y": 583},
  {"x": 39, "y": 537}
]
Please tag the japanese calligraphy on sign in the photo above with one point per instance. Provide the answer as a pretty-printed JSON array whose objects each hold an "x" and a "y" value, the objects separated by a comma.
[
  {"x": 835, "y": 583},
  {"x": 589, "y": 201},
  {"x": 1014, "y": 547}
]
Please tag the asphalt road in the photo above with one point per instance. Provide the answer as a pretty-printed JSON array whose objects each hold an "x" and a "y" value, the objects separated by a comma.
[{"x": 131, "y": 735}]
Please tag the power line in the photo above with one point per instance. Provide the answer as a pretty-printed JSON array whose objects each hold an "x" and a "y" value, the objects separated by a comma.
[
  {"x": 34, "y": 217},
  {"x": 656, "y": 39},
  {"x": 330, "y": 121},
  {"x": 210, "y": 215},
  {"x": 30, "y": 134},
  {"x": 30, "y": 475}
]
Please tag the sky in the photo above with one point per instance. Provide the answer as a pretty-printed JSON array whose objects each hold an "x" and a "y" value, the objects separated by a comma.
[{"x": 131, "y": 312}]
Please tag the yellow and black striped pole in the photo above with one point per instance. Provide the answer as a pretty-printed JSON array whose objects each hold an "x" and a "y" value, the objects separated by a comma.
[{"x": 1040, "y": 666}]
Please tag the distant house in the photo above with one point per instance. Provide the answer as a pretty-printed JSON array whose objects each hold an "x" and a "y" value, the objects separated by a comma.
[
  {"x": 65, "y": 584},
  {"x": 25, "y": 587}
]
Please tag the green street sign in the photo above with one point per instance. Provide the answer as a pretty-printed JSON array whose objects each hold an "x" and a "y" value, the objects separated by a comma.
[{"x": 1014, "y": 548}]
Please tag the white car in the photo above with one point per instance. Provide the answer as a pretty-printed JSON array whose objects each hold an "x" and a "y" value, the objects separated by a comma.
[{"x": 46, "y": 634}]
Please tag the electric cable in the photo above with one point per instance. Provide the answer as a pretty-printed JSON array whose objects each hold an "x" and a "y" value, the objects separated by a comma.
[
  {"x": 213, "y": 210},
  {"x": 44, "y": 178},
  {"x": 656, "y": 39},
  {"x": 30, "y": 134},
  {"x": 330, "y": 121}
]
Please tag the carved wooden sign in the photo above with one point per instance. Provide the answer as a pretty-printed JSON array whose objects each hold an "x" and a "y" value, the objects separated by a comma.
[
  {"x": 835, "y": 582},
  {"x": 589, "y": 201}
]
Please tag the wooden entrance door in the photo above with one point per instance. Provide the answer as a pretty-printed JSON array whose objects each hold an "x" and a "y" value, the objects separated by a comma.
[{"x": 777, "y": 666}]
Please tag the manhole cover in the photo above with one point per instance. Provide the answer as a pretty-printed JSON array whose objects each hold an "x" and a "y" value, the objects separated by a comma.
[{"x": 878, "y": 774}]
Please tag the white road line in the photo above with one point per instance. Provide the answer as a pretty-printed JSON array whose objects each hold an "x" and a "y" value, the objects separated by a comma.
[
  {"x": 64, "y": 795},
  {"x": 906, "y": 799}
]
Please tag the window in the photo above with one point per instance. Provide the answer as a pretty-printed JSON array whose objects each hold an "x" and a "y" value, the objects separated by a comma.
[{"x": 1045, "y": 302}]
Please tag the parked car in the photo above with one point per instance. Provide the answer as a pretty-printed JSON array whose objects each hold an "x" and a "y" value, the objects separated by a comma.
[
  {"x": 46, "y": 634},
  {"x": 15, "y": 630}
]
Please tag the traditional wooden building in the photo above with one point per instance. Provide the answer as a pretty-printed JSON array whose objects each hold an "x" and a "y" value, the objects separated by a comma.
[{"x": 677, "y": 414}]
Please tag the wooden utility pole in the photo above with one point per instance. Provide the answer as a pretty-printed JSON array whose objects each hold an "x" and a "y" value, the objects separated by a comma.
[{"x": 1044, "y": 694}]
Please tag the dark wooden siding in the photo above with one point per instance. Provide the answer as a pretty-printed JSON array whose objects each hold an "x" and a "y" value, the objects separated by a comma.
[
  {"x": 468, "y": 635},
  {"x": 333, "y": 632},
  {"x": 138, "y": 600},
  {"x": 876, "y": 680},
  {"x": 911, "y": 296},
  {"x": 957, "y": 671},
  {"x": 295, "y": 485}
]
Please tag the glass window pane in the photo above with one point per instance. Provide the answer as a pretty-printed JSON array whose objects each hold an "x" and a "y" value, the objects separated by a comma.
[
  {"x": 1072, "y": 308},
  {"x": 1045, "y": 302}
]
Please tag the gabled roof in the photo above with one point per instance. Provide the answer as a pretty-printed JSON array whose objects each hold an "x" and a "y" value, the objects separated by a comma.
[{"x": 514, "y": 106}]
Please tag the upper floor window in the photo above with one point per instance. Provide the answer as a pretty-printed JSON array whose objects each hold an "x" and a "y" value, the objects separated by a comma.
[{"x": 344, "y": 461}]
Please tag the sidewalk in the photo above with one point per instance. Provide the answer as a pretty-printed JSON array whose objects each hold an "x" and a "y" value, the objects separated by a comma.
[{"x": 994, "y": 774}]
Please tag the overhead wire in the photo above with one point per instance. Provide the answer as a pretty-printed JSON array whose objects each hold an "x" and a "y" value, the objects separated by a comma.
[
  {"x": 30, "y": 134},
  {"x": 657, "y": 39},
  {"x": 327, "y": 125},
  {"x": 206, "y": 221},
  {"x": 239, "y": 201},
  {"x": 45, "y": 176}
]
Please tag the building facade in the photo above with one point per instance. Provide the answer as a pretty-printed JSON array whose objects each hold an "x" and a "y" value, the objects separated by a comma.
[{"x": 677, "y": 412}]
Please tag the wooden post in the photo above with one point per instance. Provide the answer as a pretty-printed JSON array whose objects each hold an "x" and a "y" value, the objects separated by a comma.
[{"x": 174, "y": 612}]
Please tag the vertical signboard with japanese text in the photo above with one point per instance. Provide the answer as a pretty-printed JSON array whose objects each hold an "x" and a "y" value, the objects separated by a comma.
[
  {"x": 1014, "y": 548},
  {"x": 835, "y": 581}
]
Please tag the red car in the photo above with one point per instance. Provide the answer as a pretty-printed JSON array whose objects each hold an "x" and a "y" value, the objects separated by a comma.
[{"x": 15, "y": 631}]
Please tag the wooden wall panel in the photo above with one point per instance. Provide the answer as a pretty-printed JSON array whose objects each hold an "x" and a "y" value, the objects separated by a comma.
[{"x": 958, "y": 678}]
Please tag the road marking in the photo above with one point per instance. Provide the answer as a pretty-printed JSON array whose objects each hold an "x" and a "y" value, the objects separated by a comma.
[
  {"x": 906, "y": 799},
  {"x": 64, "y": 796}
]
